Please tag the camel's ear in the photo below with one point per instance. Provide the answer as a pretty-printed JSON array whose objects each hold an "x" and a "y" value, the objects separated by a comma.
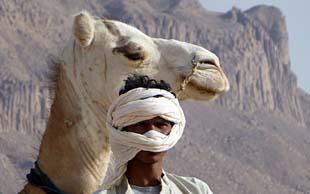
[{"x": 84, "y": 28}]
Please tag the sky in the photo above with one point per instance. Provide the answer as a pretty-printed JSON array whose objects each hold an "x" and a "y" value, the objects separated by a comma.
[{"x": 297, "y": 16}]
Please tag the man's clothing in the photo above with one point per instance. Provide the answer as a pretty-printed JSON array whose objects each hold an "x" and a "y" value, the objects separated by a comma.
[
  {"x": 145, "y": 190},
  {"x": 170, "y": 184}
]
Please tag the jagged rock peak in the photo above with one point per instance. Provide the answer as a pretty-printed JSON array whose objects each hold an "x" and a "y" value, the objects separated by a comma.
[
  {"x": 267, "y": 10},
  {"x": 267, "y": 15},
  {"x": 164, "y": 5},
  {"x": 272, "y": 19},
  {"x": 233, "y": 14}
]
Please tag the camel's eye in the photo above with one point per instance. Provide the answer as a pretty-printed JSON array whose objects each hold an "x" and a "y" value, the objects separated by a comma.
[
  {"x": 131, "y": 51},
  {"x": 134, "y": 56}
]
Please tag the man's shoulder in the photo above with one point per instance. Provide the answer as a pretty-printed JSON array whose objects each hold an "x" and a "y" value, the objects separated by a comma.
[
  {"x": 190, "y": 183},
  {"x": 101, "y": 192},
  {"x": 106, "y": 191}
]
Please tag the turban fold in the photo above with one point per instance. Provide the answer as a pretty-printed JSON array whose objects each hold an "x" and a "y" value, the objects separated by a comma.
[{"x": 138, "y": 105}]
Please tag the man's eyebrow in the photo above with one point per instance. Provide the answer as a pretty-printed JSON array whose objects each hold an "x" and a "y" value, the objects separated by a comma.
[
  {"x": 156, "y": 96},
  {"x": 163, "y": 120}
]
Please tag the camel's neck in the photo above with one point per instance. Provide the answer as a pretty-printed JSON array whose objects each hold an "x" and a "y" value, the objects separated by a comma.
[{"x": 74, "y": 151}]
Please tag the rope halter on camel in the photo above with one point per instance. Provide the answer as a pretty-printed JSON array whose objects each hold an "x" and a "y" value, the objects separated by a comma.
[{"x": 188, "y": 78}]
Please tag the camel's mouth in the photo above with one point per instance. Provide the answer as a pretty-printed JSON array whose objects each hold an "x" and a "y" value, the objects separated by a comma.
[
  {"x": 193, "y": 85},
  {"x": 197, "y": 92},
  {"x": 207, "y": 78}
]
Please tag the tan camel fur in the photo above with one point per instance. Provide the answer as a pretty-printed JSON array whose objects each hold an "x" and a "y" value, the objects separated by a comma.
[{"x": 74, "y": 152}]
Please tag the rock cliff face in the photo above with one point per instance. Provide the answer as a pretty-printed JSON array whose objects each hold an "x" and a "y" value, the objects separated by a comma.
[
  {"x": 243, "y": 144},
  {"x": 305, "y": 106},
  {"x": 24, "y": 107}
]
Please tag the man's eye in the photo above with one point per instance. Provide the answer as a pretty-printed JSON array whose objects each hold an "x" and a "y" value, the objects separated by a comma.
[
  {"x": 140, "y": 124},
  {"x": 162, "y": 124}
]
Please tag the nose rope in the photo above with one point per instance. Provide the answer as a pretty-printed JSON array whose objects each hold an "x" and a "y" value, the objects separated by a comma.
[{"x": 188, "y": 78}]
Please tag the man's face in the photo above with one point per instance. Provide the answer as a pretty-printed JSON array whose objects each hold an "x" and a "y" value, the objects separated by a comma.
[{"x": 158, "y": 124}]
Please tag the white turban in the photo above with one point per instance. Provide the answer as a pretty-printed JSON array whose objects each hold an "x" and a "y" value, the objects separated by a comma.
[{"x": 132, "y": 107}]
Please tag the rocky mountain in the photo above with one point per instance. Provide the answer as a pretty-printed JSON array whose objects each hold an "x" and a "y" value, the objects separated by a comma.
[
  {"x": 24, "y": 106},
  {"x": 246, "y": 139}
]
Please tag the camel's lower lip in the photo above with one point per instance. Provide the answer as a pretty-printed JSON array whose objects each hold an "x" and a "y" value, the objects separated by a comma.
[
  {"x": 198, "y": 87},
  {"x": 202, "y": 89}
]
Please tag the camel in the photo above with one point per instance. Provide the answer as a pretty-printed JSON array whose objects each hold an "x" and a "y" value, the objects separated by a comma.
[{"x": 74, "y": 152}]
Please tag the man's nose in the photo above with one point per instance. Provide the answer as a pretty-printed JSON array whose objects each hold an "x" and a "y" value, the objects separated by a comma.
[{"x": 152, "y": 127}]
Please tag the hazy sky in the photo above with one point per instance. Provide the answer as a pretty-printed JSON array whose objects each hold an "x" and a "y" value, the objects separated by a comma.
[{"x": 297, "y": 14}]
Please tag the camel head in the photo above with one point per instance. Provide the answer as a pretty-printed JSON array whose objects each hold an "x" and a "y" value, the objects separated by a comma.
[{"x": 104, "y": 52}]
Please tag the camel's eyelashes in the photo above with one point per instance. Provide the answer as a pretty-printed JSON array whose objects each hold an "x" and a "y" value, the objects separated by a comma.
[
  {"x": 131, "y": 50},
  {"x": 134, "y": 56}
]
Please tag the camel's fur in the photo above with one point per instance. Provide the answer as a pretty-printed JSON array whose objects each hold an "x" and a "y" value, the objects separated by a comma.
[{"x": 74, "y": 152}]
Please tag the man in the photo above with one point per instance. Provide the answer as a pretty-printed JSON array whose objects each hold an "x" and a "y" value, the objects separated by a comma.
[{"x": 144, "y": 122}]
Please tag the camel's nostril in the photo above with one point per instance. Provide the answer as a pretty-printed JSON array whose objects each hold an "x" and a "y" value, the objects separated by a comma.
[
  {"x": 207, "y": 65},
  {"x": 208, "y": 62}
]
